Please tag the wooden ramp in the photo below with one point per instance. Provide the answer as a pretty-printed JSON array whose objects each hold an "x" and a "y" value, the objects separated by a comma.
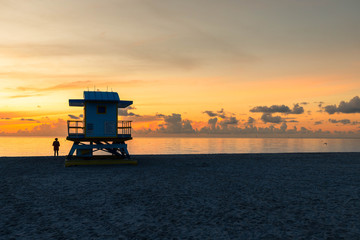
[{"x": 99, "y": 160}]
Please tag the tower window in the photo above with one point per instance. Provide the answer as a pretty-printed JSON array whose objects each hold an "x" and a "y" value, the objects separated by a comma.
[{"x": 101, "y": 109}]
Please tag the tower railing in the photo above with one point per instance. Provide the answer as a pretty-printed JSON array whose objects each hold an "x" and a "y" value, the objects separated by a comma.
[
  {"x": 124, "y": 128},
  {"x": 76, "y": 128}
]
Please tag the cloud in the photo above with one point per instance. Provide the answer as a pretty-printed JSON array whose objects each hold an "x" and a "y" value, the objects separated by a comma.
[
  {"x": 212, "y": 122},
  {"x": 283, "y": 127},
  {"x": 297, "y": 109},
  {"x": 318, "y": 122},
  {"x": 228, "y": 121},
  {"x": 220, "y": 113},
  {"x": 268, "y": 118},
  {"x": 272, "y": 109},
  {"x": 210, "y": 113},
  {"x": 353, "y": 106},
  {"x": 224, "y": 124},
  {"x": 33, "y": 91},
  {"x": 304, "y": 130},
  {"x": 26, "y": 95},
  {"x": 330, "y": 109},
  {"x": 73, "y": 116},
  {"x": 61, "y": 86},
  {"x": 320, "y": 104},
  {"x": 343, "y": 121},
  {"x": 57, "y": 128},
  {"x": 126, "y": 113},
  {"x": 229, "y": 126},
  {"x": 175, "y": 124},
  {"x": 205, "y": 44},
  {"x": 6, "y": 118},
  {"x": 27, "y": 119},
  {"x": 147, "y": 118},
  {"x": 251, "y": 120}
]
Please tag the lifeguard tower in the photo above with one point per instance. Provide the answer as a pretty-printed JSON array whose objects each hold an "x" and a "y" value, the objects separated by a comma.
[{"x": 99, "y": 130}]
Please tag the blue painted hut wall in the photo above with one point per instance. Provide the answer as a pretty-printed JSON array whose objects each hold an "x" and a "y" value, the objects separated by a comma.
[{"x": 100, "y": 124}]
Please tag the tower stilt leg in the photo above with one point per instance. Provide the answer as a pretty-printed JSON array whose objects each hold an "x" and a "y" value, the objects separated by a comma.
[{"x": 84, "y": 154}]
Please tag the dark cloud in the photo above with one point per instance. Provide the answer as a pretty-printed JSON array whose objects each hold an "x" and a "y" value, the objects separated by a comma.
[
  {"x": 126, "y": 113},
  {"x": 27, "y": 119},
  {"x": 343, "y": 121},
  {"x": 6, "y": 118},
  {"x": 292, "y": 121},
  {"x": 353, "y": 106},
  {"x": 210, "y": 113},
  {"x": 330, "y": 109},
  {"x": 76, "y": 117},
  {"x": 228, "y": 121},
  {"x": 304, "y": 103},
  {"x": 272, "y": 109},
  {"x": 147, "y": 118},
  {"x": 250, "y": 120},
  {"x": 320, "y": 104},
  {"x": 223, "y": 126},
  {"x": 73, "y": 116},
  {"x": 318, "y": 122},
  {"x": 186, "y": 127},
  {"x": 304, "y": 130},
  {"x": 283, "y": 127},
  {"x": 220, "y": 113},
  {"x": 268, "y": 118},
  {"x": 297, "y": 109},
  {"x": 175, "y": 124},
  {"x": 212, "y": 122}
]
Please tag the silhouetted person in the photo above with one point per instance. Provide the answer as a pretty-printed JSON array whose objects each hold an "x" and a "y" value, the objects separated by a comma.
[{"x": 56, "y": 145}]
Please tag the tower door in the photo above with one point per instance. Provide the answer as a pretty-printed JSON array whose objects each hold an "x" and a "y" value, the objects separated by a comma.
[{"x": 110, "y": 128}]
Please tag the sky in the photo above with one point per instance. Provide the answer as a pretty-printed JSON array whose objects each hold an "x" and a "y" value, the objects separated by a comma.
[{"x": 201, "y": 67}]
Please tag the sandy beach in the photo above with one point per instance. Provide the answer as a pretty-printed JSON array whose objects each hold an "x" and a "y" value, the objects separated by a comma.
[{"x": 225, "y": 196}]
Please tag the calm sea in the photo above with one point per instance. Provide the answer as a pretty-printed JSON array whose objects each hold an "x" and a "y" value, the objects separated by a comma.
[{"x": 42, "y": 146}]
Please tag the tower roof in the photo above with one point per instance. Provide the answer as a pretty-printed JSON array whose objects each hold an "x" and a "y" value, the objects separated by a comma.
[{"x": 101, "y": 96}]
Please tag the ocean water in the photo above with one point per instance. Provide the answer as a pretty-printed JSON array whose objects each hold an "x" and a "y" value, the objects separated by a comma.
[{"x": 42, "y": 146}]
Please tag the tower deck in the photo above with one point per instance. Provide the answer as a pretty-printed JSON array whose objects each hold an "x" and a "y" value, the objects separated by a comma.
[
  {"x": 83, "y": 138},
  {"x": 76, "y": 132}
]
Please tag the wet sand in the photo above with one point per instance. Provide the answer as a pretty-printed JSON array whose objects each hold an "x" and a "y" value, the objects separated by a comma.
[{"x": 225, "y": 196}]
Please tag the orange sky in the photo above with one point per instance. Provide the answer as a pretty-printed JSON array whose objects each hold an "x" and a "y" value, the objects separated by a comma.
[{"x": 182, "y": 57}]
